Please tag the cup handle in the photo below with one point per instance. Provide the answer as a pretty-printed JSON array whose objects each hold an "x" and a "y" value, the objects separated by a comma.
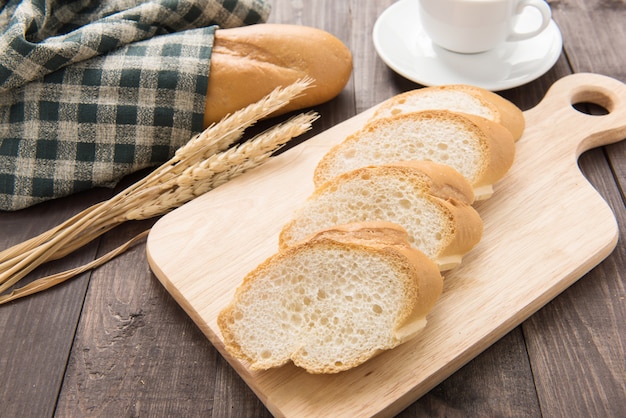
[{"x": 546, "y": 15}]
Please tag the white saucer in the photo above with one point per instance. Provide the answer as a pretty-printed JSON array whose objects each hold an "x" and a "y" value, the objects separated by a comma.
[{"x": 402, "y": 44}]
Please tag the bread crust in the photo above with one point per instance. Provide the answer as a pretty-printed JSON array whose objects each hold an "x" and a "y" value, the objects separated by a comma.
[
  {"x": 249, "y": 62},
  {"x": 445, "y": 182},
  {"x": 499, "y": 151}
]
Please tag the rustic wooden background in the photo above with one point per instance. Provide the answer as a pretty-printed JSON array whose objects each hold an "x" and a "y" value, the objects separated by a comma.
[{"x": 113, "y": 343}]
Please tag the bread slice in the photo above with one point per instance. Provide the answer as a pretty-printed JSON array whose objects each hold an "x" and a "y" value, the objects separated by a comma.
[
  {"x": 332, "y": 302},
  {"x": 457, "y": 98},
  {"x": 481, "y": 150},
  {"x": 438, "y": 224}
]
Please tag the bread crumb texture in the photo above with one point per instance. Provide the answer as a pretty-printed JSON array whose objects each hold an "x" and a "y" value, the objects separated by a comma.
[
  {"x": 430, "y": 99},
  {"x": 328, "y": 306}
]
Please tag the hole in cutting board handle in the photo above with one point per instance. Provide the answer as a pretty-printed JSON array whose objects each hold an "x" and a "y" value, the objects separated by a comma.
[
  {"x": 594, "y": 103},
  {"x": 589, "y": 108}
]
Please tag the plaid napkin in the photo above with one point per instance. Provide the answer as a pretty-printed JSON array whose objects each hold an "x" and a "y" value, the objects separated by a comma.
[{"x": 92, "y": 91}]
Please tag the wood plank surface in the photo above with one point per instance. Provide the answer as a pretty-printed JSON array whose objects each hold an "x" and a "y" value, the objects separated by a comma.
[
  {"x": 115, "y": 343},
  {"x": 37, "y": 333}
]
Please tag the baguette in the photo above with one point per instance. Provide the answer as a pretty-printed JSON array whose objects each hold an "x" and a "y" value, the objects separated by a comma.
[
  {"x": 438, "y": 224},
  {"x": 332, "y": 302},
  {"x": 249, "y": 62},
  {"x": 481, "y": 150},
  {"x": 457, "y": 98}
]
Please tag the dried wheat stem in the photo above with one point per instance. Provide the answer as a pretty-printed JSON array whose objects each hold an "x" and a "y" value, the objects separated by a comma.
[
  {"x": 52, "y": 280},
  {"x": 24, "y": 246},
  {"x": 69, "y": 233},
  {"x": 72, "y": 245},
  {"x": 45, "y": 252}
]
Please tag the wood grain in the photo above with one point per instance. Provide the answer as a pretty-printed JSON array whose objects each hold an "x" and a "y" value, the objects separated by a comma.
[
  {"x": 501, "y": 282},
  {"x": 39, "y": 330}
]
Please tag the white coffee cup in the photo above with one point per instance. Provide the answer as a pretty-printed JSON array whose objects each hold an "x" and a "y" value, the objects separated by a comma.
[{"x": 472, "y": 26}]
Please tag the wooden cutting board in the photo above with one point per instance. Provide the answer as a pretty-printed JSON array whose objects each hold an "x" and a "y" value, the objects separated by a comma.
[{"x": 545, "y": 227}]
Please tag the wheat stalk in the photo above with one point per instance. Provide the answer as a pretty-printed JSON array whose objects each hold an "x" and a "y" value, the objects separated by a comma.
[
  {"x": 206, "y": 161},
  {"x": 52, "y": 280}
]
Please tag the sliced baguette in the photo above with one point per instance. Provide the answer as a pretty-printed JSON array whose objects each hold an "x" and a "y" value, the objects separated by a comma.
[
  {"x": 481, "y": 150},
  {"x": 438, "y": 224},
  {"x": 332, "y": 302},
  {"x": 457, "y": 98}
]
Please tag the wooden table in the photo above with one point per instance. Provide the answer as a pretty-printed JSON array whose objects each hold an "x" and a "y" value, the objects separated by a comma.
[{"x": 114, "y": 343}]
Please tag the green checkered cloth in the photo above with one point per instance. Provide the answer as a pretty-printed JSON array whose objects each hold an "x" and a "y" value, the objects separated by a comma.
[{"x": 91, "y": 91}]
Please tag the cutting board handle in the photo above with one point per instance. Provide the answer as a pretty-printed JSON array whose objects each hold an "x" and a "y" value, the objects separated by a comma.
[{"x": 556, "y": 117}]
